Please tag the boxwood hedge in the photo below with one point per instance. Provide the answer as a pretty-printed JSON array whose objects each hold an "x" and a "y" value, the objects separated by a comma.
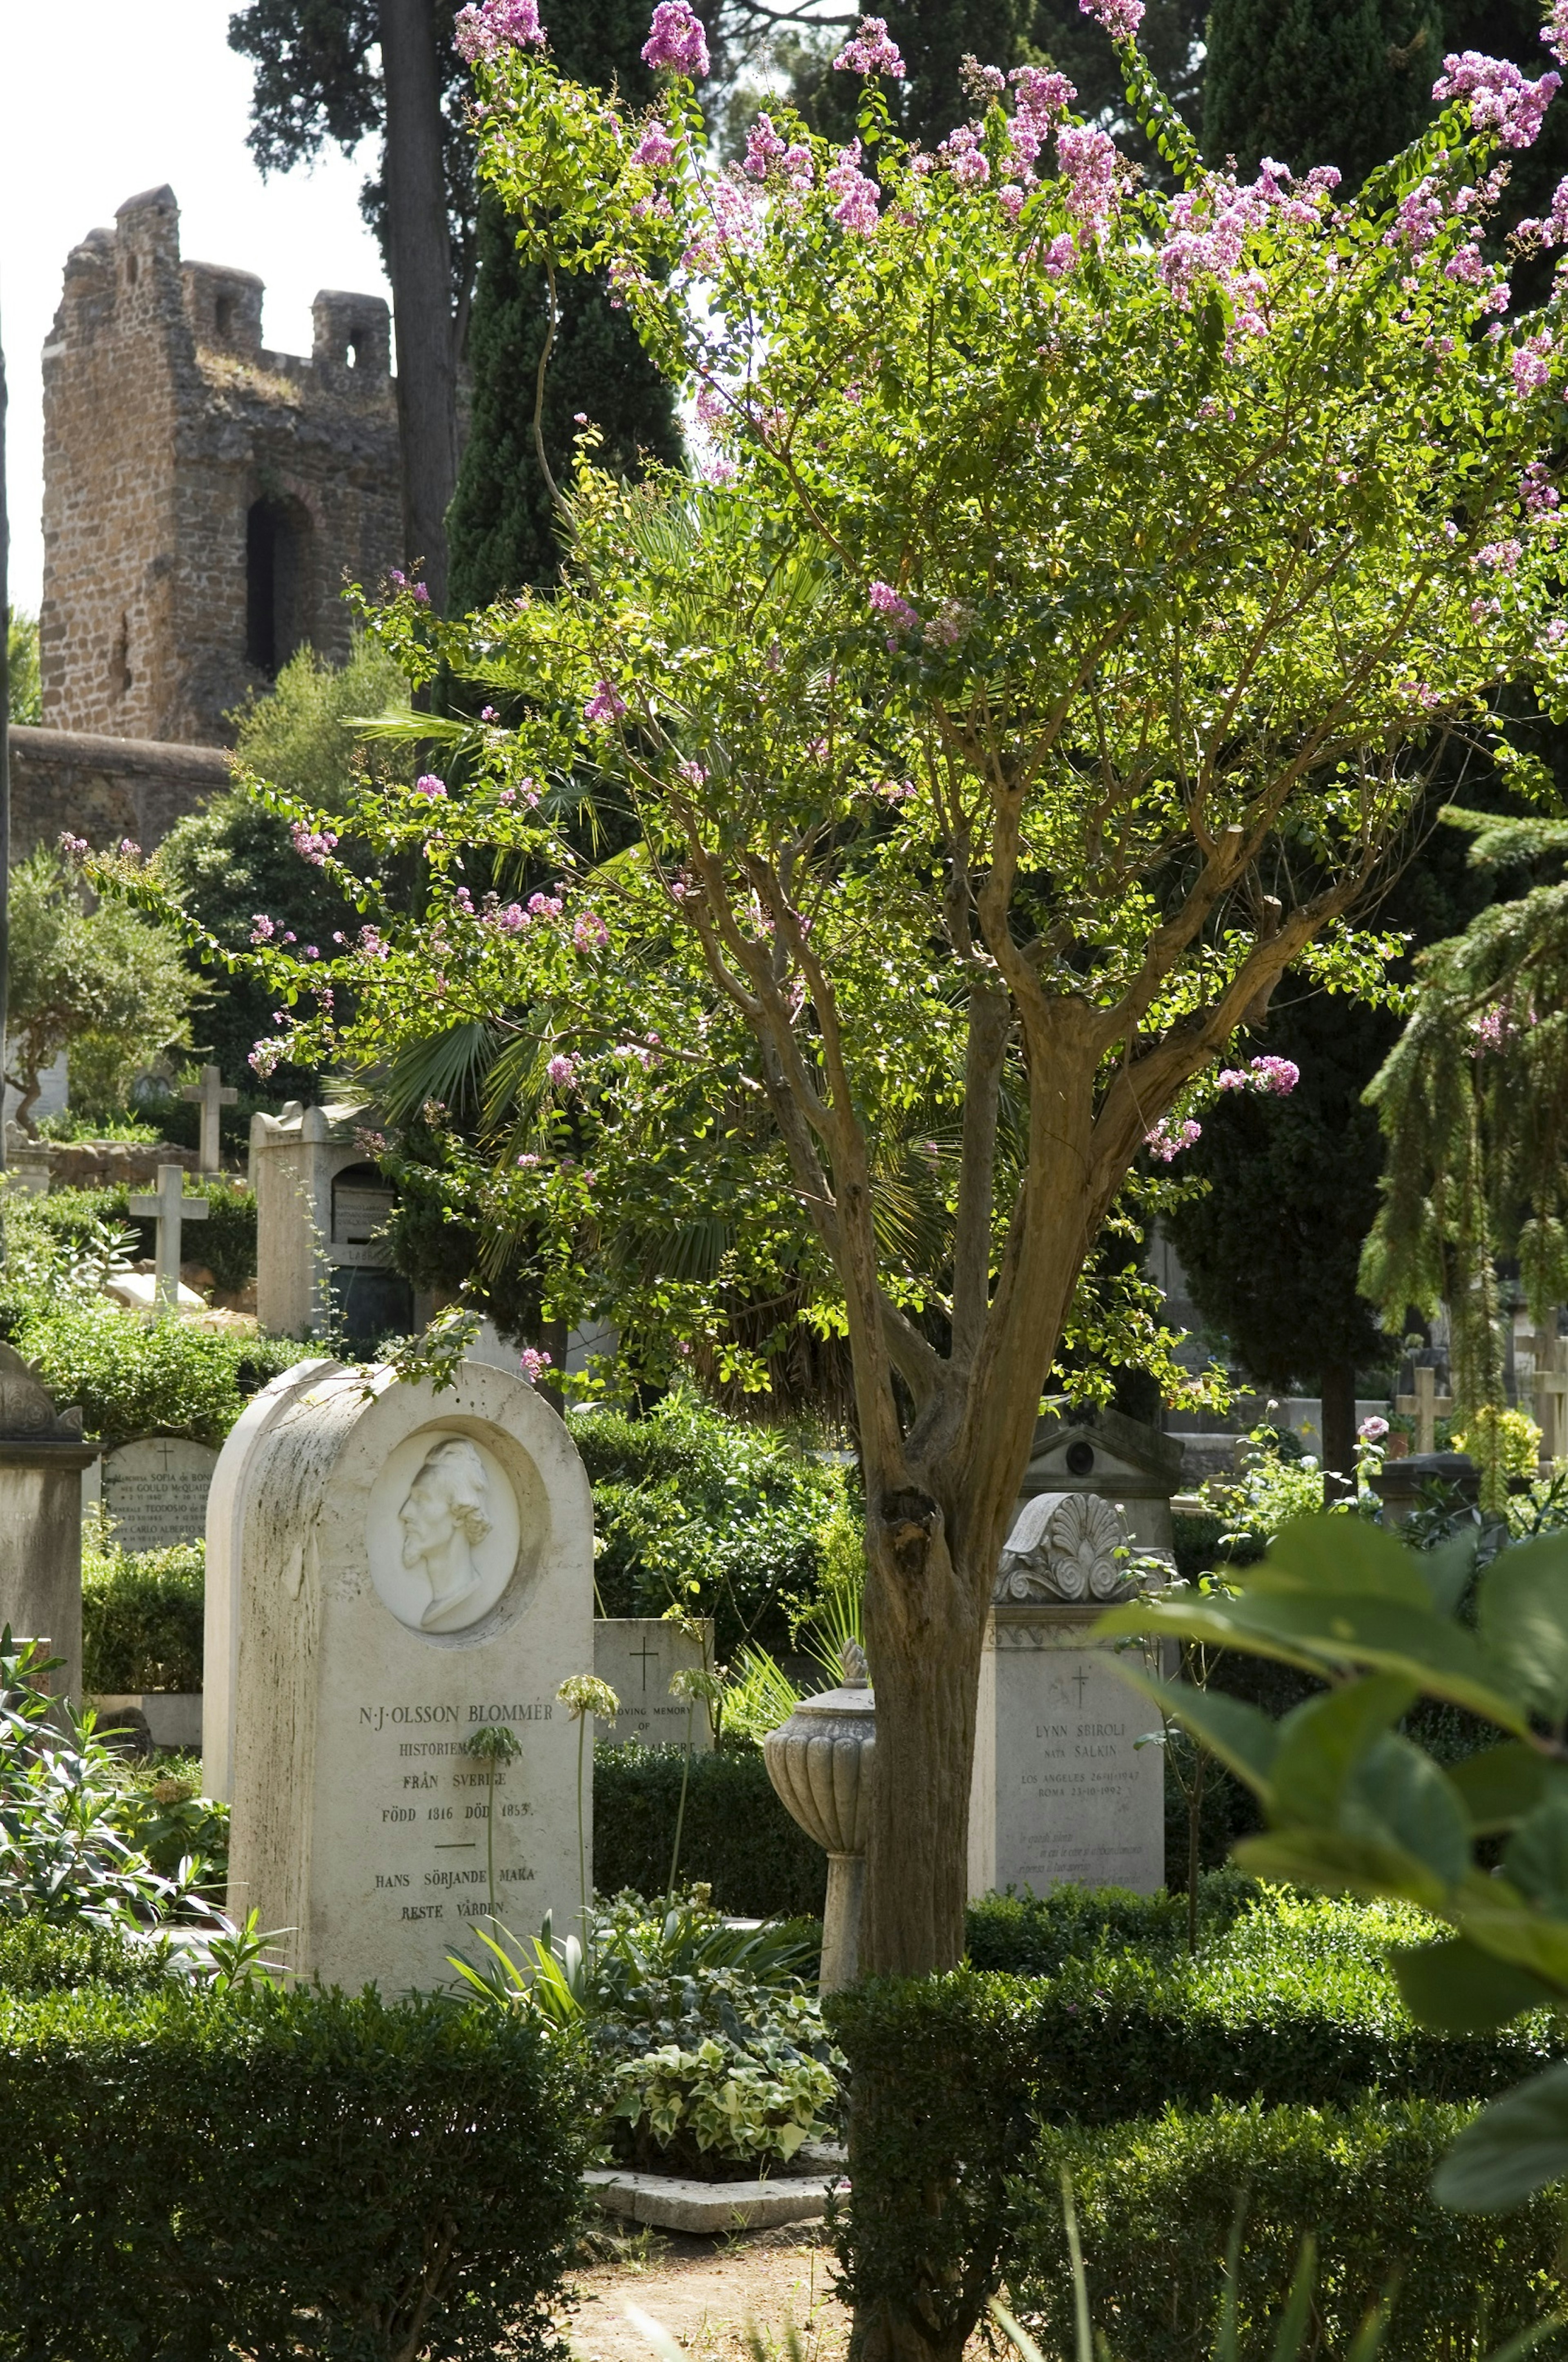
[
  {"x": 736, "y": 1835},
  {"x": 192, "y": 2174}
]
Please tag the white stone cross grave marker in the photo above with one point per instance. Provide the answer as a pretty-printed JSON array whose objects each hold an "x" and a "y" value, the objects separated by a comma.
[
  {"x": 1426, "y": 1407},
  {"x": 211, "y": 1096},
  {"x": 169, "y": 1208}
]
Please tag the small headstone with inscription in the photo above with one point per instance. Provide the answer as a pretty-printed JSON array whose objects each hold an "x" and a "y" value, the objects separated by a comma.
[
  {"x": 639, "y": 1656},
  {"x": 414, "y": 1568},
  {"x": 154, "y": 1490},
  {"x": 1062, "y": 1792}
]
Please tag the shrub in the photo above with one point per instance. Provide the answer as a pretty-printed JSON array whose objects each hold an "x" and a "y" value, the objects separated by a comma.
[
  {"x": 1156, "y": 2202},
  {"x": 265, "y": 2172},
  {"x": 131, "y": 1374},
  {"x": 141, "y": 1617},
  {"x": 225, "y": 1242},
  {"x": 695, "y": 1508},
  {"x": 38, "y": 1957},
  {"x": 1037, "y": 1935},
  {"x": 736, "y": 1837},
  {"x": 955, "y": 2077}
]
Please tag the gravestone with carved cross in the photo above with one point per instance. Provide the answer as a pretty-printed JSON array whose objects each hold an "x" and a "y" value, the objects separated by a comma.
[
  {"x": 210, "y": 1097},
  {"x": 639, "y": 1656},
  {"x": 1551, "y": 1396},
  {"x": 170, "y": 1210},
  {"x": 1426, "y": 1407}
]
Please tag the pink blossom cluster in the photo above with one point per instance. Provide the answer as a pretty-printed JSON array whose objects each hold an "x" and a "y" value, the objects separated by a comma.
[
  {"x": 563, "y": 1070},
  {"x": 1416, "y": 220},
  {"x": 856, "y": 206},
  {"x": 428, "y": 785},
  {"x": 1554, "y": 32},
  {"x": 373, "y": 945},
  {"x": 960, "y": 151},
  {"x": 1086, "y": 158},
  {"x": 1530, "y": 363},
  {"x": 1121, "y": 18},
  {"x": 1537, "y": 490},
  {"x": 311, "y": 844},
  {"x": 483, "y": 31},
  {"x": 735, "y": 223},
  {"x": 1060, "y": 256},
  {"x": 533, "y": 1363},
  {"x": 1168, "y": 1138},
  {"x": 589, "y": 932},
  {"x": 74, "y": 848},
  {"x": 769, "y": 157},
  {"x": 873, "y": 51},
  {"x": 1042, "y": 99},
  {"x": 606, "y": 704},
  {"x": 886, "y": 602},
  {"x": 677, "y": 39},
  {"x": 692, "y": 773},
  {"x": 1277, "y": 1076},
  {"x": 1492, "y": 1032},
  {"x": 262, "y": 929},
  {"x": 1501, "y": 100},
  {"x": 1504, "y": 555},
  {"x": 265, "y": 1055},
  {"x": 655, "y": 148},
  {"x": 1372, "y": 1429}
]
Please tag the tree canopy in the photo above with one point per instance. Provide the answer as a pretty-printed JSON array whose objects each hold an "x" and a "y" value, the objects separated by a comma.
[{"x": 1054, "y": 650}]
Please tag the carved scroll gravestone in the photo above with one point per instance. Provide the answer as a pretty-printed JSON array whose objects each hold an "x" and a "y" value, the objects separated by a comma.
[
  {"x": 1062, "y": 1792},
  {"x": 413, "y": 1569}
]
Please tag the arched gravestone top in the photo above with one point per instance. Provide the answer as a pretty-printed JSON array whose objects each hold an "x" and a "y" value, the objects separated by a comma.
[
  {"x": 28, "y": 1413},
  {"x": 414, "y": 1567}
]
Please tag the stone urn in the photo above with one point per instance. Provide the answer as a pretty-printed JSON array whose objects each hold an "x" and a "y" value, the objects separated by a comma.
[{"x": 820, "y": 1763}]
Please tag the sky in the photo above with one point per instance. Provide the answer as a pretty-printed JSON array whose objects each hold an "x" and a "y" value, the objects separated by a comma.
[{"x": 144, "y": 92}]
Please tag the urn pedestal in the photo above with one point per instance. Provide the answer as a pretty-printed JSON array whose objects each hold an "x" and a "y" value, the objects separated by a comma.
[{"x": 820, "y": 1763}]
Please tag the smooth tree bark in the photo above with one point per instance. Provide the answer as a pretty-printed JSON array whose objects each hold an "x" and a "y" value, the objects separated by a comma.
[{"x": 420, "y": 265}]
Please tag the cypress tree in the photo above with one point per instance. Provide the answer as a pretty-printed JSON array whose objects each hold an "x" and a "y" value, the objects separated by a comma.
[
  {"x": 1319, "y": 81},
  {"x": 501, "y": 529}
]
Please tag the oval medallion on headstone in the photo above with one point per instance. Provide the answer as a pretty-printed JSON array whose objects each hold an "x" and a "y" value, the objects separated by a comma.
[{"x": 444, "y": 1531}]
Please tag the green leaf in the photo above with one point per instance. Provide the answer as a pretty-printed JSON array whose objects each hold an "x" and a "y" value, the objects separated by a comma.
[
  {"x": 1322, "y": 1740},
  {"x": 1446, "y": 1570},
  {"x": 1516, "y": 2147},
  {"x": 1500, "y": 1785},
  {"x": 1243, "y": 1737},
  {"x": 1457, "y": 1988},
  {"x": 1340, "y": 1863},
  {"x": 1537, "y": 1856},
  {"x": 1521, "y": 1612},
  {"x": 1396, "y": 1795},
  {"x": 1330, "y": 1555}
]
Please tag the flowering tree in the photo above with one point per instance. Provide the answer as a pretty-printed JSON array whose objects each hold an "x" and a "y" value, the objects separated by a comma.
[{"x": 1079, "y": 588}]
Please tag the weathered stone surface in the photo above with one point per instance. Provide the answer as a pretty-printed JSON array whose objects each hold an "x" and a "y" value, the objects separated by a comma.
[
  {"x": 414, "y": 1567},
  {"x": 154, "y": 1490},
  {"x": 671, "y": 2202},
  {"x": 41, "y": 1458},
  {"x": 639, "y": 1656},
  {"x": 203, "y": 498},
  {"x": 821, "y": 1762},
  {"x": 105, "y": 788}
]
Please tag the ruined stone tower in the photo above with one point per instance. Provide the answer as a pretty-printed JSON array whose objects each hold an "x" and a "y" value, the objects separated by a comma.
[{"x": 203, "y": 500}]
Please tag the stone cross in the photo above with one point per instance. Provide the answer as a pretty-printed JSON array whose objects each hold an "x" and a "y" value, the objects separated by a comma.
[
  {"x": 211, "y": 1096},
  {"x": 1426, "y": 1407},
  {"x": 1552, "y": 1395},
  {"x": 169, "y": 1208}
]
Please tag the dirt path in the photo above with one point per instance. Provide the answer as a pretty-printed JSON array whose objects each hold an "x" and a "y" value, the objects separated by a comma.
[{"x": 710, "y": 2294}]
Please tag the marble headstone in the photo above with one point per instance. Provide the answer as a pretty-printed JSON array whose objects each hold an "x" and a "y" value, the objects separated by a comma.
[
  {"x": 414, "y": 1568},
  {"x": 42, "y": 1455},
  {"x": 639, "y": 1656},
  {"x": 1062, "y": 1792},
  {"x": 154, "y": 1490}
]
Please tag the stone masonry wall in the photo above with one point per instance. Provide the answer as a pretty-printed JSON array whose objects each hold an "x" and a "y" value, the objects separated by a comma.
[
  {"x": 205, "y": 500},
  {"x": 105, "y": 789}
]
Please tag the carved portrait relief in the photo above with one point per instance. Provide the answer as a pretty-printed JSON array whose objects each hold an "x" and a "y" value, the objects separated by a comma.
[{"x": 444, "y": 1531}]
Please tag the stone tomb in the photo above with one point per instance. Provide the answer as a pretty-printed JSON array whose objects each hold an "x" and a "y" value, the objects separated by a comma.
[
  {"x": 320, "y": 1206},
  {"x": 153, "y": 1490},
  {"x": 639, "y": 1656},
  {"x": 42, "y": 1455},
  {"x": 1062, "y": 1792},
  {"x": 412, "y": 1568}
]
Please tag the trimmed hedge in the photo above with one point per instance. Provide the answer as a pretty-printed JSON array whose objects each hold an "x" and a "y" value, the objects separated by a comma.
[
  {"x": 1156, "y": 2202},
  {"x": 142, "y": 1618},
  {"x": 1025, "y": 1935},
  {"x": 957, "y": 2077},
  {"x": 301, "y": 2173},
  {"x": 736, "y": 1837}
]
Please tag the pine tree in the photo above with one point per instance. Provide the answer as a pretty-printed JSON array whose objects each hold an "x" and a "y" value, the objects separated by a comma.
[
  {"x": 1319, "y": 81},
  {"x": 501, "y": 529}
]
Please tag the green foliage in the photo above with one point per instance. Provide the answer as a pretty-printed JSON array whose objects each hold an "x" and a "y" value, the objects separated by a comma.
[
  {"x": 37, "y": 1956},
  {"x": 1353, "y": 1803},
  {"x": 108, "y": 985},
  {"x": 737, "y": 1838},
  {"x": 1319, "y": 81},
  {"x": 705, "y": 1513},
  {"x": 24, "y": 684},
  {"x": 132, "y": 1375},
  {"x": 268, "y": 2172},
  {"x": 1037, "y": 1934},
  {"x": 141, "y": 1617},
  {"x": 1157, "y": 2203},
  {"x": 755, "y": 2101},
  {"x": 759, "y": 1697}
]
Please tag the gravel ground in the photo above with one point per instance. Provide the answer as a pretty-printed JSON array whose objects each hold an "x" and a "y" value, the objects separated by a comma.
[{"x": 722, "y": 2299}]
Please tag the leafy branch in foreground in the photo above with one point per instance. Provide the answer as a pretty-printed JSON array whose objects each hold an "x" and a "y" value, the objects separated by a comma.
[{"x": 1354, "y": 1806}]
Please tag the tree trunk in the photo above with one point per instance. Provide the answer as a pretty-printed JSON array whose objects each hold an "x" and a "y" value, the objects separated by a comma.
[
  {"x": 1337, "y": 1383},
  {"x": 420, "y": 261}
]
